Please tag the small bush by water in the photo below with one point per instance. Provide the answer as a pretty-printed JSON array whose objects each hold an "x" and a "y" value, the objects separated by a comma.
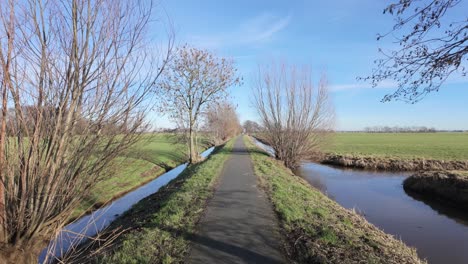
[{"x": 317, "y": 229}]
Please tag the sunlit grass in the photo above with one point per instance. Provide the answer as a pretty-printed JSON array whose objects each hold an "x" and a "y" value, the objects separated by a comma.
[
  {"x": 153, "y": 155},
  {"x": 441, "y": 146},
  {"x": 317, "y": 229},
  {"x": 160, "y": 225}
]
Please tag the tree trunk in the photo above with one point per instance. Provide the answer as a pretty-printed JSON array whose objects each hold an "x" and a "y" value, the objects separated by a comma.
[
  {"x": 22, "y": 254},
  {"x": 191, "y": 145},
  {"x": 3, "y": 138}
]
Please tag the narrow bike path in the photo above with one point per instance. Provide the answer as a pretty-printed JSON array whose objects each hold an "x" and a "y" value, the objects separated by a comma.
[{"x": 238, "y": 225}]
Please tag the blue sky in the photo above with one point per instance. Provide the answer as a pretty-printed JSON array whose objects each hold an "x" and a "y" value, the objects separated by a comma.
[{"x": 334, "y": 37}]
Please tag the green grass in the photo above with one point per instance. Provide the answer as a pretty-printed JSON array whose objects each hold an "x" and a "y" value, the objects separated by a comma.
[
  {"x": 317, "y": 229},
  {"x": 150, "y": 157},
  {"x": 439, "y": 146},
  {"x": 158, "y": 227}
]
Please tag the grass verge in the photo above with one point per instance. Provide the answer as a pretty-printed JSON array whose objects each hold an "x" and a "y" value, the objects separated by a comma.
[
  {"x": 450, "y": 187},
  {"x": 153, "y": 155},
  {"x": 317, "y": 229},
  {"x": 158, "y": 227}
]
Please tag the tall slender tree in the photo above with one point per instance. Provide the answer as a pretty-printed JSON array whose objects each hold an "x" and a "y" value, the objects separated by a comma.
[{"x": 196, "y": 79}]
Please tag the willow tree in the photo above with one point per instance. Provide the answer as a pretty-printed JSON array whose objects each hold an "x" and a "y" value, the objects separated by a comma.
[
  {"x": 195, "y": 80},
  {"x": 296, "y": 114},
  {"x": 74, "y": 82}
]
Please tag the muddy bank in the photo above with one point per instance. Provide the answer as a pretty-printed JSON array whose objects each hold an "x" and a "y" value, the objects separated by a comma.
[
  {"x": 391, "y": 164},
  {"x": 450, "y": 187}
]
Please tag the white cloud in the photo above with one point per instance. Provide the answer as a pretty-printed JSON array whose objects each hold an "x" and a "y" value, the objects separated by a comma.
[
  {"x": 389, "y": 84},
  {"x": 363, "y": 85},
  {"x": 256, "y": 30}
]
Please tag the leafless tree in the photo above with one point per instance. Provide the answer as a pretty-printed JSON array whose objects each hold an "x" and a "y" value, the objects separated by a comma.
[
  {"x": 69, "y": 71},
  {"x": 196, "y": 79},
  {"x": 222, "y": 122},
  {"x": 295, "y": 114},
  {"x": 432, "y": 48},
  {"x": 251, "y": 127}
]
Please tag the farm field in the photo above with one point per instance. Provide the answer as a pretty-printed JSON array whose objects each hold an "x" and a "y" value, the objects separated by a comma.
[{"x": 439, "y": 146}]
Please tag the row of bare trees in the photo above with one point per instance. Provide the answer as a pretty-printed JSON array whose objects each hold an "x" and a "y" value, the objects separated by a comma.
[
  {"x": 398, "y": 129},
  {"x": 222, "y": 122},
  {"x": 67, "y": 61},
  {"x": 76, "y": 81},
  {"x": 251, "y": 127}
]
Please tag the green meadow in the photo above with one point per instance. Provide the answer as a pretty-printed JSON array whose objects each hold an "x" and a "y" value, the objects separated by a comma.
[{"x": 440, "y": 146}]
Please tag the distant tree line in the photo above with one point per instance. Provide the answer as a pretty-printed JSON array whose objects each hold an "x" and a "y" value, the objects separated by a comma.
[
  {"x": 398, "y": 129},
  {"x": 251, "y": 127}
]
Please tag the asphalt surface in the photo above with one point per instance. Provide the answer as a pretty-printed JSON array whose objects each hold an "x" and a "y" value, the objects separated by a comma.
[{"x": 238, "y": 225}]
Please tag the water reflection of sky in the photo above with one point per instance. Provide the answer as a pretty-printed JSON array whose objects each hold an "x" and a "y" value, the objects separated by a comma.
[{"x": 438, "y": 232}]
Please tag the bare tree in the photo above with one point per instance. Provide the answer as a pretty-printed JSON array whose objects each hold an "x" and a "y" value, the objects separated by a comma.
[
  {"x": 251, "y": 127},
  {"x": 222, "y": 122},
  {"x": 432, "y": 48},
  {"x": 295, "y": 114},
  {"x": 196, "y": 79},
  {"x": 69, "y": 69}
]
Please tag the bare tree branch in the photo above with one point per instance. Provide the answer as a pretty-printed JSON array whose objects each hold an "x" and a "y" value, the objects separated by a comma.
[
  {"x": 74, "y": 78},
  {"x": 431, "y": 48}
]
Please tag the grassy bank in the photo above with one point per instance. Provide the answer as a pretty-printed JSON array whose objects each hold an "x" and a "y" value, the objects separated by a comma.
[
  {"x": 317, "y": 229},
  {"x": 159, "y": 226},
  {"x": 153, "y": 155},
  {"x": 437, "y": 146},
  {"x": 450, "y": 187}
]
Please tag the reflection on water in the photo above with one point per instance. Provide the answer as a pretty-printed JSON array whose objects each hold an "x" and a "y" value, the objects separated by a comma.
[
  {"x": 439, "y": 233},
  {"x": 441, "y": 207},
  {"x": 89, "y": 225}
]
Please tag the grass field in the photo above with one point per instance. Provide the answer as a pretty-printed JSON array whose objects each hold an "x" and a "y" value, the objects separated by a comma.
[
  {"x": 150, "y": 157},
  {"x": 440, "y": 146}
]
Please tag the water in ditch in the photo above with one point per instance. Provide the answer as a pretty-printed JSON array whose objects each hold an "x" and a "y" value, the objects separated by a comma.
[
  {"x": 89, "y": 225},
  {"x": 438, "y": 232}
]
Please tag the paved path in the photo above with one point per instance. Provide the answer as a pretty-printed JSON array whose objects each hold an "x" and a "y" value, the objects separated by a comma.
[{"x": 238, "y": 225}]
